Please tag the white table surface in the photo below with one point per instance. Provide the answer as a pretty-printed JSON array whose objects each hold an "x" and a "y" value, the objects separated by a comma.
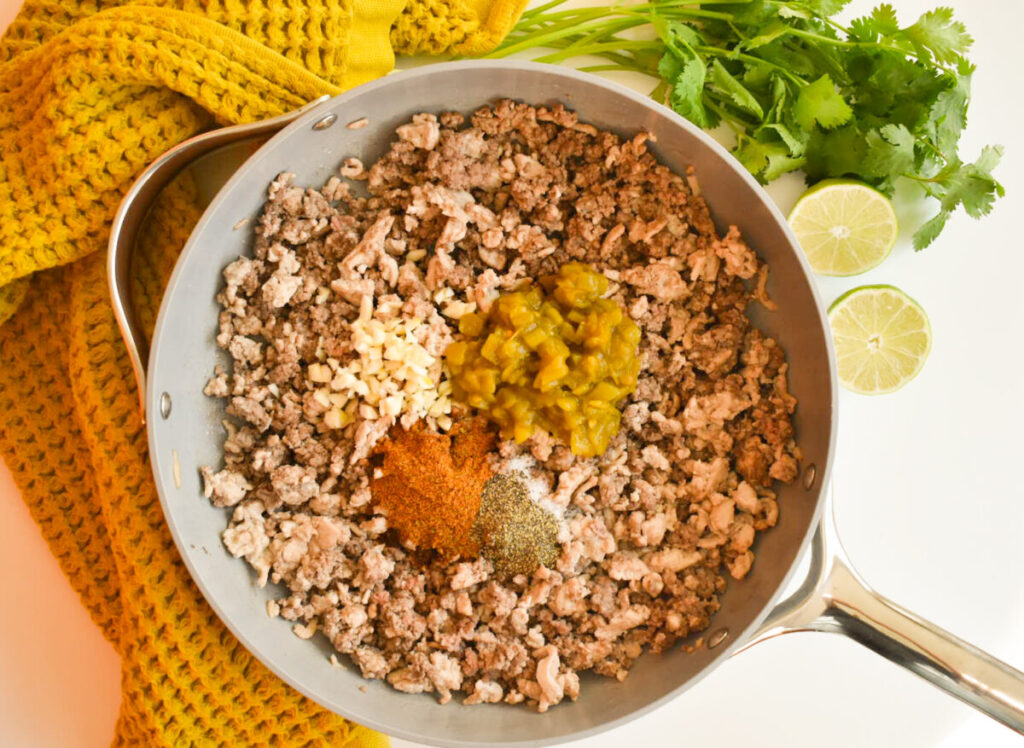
[{"x": 930, "y": 507}]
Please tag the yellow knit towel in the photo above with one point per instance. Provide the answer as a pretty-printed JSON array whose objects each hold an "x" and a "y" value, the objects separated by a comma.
[{"x": 90, "y": 92}]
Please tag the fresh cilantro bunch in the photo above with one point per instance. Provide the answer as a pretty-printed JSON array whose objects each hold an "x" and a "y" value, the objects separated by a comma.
[{"x": 874, "y": 101}]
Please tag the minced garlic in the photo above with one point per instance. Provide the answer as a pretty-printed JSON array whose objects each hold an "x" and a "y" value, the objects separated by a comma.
[{"x": 390, "y": 377}]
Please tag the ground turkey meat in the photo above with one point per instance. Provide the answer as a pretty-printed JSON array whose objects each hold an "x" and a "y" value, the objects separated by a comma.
[{"x": 456, "y": 212}]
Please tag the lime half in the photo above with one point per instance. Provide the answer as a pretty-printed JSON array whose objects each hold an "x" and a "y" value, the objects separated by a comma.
[
  {"x": 844, "y": 227},
  {"x": 882, "y": 338}
]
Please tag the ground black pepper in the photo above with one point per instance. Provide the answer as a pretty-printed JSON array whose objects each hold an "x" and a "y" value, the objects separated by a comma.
[{"x": 513, "y": 532}]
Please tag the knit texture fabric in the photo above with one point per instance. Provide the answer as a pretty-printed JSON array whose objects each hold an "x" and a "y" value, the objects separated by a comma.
[{"x": 90, "y": 93}]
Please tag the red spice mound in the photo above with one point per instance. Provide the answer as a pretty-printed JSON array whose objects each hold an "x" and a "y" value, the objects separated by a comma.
[{"x": 429, "y": 485}]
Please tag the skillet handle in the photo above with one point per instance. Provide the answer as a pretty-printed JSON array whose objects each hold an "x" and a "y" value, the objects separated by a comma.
[
  {"x": 835, "y": 599},
  {"x": 132, "y": 212}
]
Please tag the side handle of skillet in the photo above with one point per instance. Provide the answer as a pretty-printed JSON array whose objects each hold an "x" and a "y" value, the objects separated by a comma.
[
  {"x": 835, "y": 599},
  {"x": 133, "y": 210}
]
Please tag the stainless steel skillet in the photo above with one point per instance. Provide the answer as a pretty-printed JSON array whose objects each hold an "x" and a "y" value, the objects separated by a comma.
[{"x": 185, "y": 432}]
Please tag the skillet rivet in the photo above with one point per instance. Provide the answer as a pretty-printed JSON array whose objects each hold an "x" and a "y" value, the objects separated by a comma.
[
  {"x": 809, "y": 475},
  {"x": 717, "y": 638},
  {"x": 165, "y": 405},
  {"x": 325, "y": 122}
]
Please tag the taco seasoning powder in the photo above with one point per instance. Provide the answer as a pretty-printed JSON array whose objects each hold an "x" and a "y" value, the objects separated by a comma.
[{"x": 429, "y": 485}]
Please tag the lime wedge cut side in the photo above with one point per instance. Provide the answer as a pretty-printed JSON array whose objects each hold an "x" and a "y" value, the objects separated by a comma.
[
  {"x": 844, "y": 227},
  {"x": 882, "y": 338}
]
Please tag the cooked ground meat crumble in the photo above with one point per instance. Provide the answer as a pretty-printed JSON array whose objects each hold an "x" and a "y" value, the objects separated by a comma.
[{"x": 458, "y": 212}]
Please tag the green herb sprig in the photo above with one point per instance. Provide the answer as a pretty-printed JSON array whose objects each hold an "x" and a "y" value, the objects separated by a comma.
[{"x": 874, "y": 100}]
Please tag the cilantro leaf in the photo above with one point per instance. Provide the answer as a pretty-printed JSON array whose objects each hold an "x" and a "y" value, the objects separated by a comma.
[
  {"x": 669, "y": 67},
  {"x": 779, "y": 163},
  {"x": 780, "y": 99},
  {"x": 824, "y": 7},
  {"x": 988, "y": 160},
  {"x": 835, "y": 153},
  {"x": 759, "y": 78},
  {"x": 863, "y": 31},
  {"x": 889, "y": 154},
  {"x": 751, "y": 12},
  {"x": 930, "y": 230},
  {"x": 794, "y": 58},
  {"x": 795, "y": 140},
  {"x": 948, "y": 115},
  {"x": 687, "y": 94},
  {"x": 819, "y": 103},
  {"x": 969, "y": 185},
  {"x": 972, "y": 185},
  {"x": 684, "y": 34},
  {"x": 883, "y": 20},
  {"x": 938, "y": 34},
  {"x": 793, "y": 11},
  {"x": 766, "y": 161},
  {"x": 892, "y": 89},
  {"x": 722, "y": 80},
  {"x": 769, "y": 33}
]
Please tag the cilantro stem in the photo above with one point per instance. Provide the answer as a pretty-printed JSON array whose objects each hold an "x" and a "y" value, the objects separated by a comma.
[
  {"x": 533, "y": 12},
  {"x": 594, "y": 49},
  {"x": 644, "y": 11},
  {"x": 827, "y": 39},
  {"x": 614, "y": 27},
  {"x": 610, "y": 68},
  {"x": 597, "y": 36},
  {"x": 524, "y": 21},
  {"x": 544, "y": 38}
]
